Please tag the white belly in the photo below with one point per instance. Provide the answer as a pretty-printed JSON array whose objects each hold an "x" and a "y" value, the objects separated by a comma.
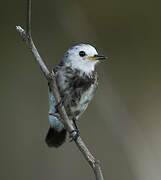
[{"x": 86, "y": 97}]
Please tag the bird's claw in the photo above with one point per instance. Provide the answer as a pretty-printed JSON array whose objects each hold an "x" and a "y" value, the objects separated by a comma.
[{"x": 74, "y": 135}]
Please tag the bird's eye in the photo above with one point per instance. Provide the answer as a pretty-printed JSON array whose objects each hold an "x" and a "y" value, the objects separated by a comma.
[{"x": 82, "y": 53}]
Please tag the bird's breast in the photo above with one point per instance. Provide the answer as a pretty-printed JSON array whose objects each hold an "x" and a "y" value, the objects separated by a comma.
[
  {"x": 80, "y": 106},
  {"x": 78, "y": 90}
]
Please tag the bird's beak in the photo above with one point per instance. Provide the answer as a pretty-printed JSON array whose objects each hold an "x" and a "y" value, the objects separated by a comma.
[{"x": 97, "y": 57}]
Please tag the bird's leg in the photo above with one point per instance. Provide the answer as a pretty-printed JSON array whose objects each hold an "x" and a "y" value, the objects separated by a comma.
[
  {"x": 75, "y": 124},
  {"x": 75, "y": 131}
]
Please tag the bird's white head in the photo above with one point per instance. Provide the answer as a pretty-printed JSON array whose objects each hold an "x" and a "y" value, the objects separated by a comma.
[{"x": 83, "y": 57}]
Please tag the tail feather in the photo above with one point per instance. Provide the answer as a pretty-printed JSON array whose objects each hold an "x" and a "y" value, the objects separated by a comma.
[{"x": 55, "y": 138}]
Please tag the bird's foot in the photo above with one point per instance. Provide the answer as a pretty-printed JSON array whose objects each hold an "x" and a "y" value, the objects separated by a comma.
[{"x": 74, "y": 135}]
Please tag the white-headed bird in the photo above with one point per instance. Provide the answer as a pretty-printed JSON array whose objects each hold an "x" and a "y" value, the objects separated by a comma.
[{"x": 77, "y": 82}]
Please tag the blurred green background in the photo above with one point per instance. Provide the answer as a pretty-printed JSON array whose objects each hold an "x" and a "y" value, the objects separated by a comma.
[{"x": 122, "y": 125}]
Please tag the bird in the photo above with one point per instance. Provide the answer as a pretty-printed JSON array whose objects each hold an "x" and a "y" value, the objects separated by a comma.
[{"x": 77, "y": 82}]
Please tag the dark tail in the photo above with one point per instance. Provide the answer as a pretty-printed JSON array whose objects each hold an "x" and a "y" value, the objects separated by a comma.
[{"x": 55, "y": 138}]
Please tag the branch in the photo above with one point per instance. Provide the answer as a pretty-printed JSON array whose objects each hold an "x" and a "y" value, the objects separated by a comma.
[
  {"x": 28, "y": 18},
  {"x": 26, "y": 36}
]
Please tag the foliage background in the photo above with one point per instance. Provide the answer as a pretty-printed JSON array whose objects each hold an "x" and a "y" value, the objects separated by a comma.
[{"x": 122, "y": 125}]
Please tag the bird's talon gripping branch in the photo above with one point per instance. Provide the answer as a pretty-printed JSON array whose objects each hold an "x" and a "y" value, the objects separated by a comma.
[{"x": 74, "y": 135}]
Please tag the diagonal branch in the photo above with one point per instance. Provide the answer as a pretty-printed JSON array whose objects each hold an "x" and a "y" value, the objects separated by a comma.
[
  {"x": 30, "y": 44},
  {"x": 26, "y": 36}
]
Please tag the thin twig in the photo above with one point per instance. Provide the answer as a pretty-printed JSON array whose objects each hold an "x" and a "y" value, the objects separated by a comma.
[
  {"x": 28, "y": 18},
  {"x": 26, "y": 36},
  {"x": 30, "y": 44}
]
